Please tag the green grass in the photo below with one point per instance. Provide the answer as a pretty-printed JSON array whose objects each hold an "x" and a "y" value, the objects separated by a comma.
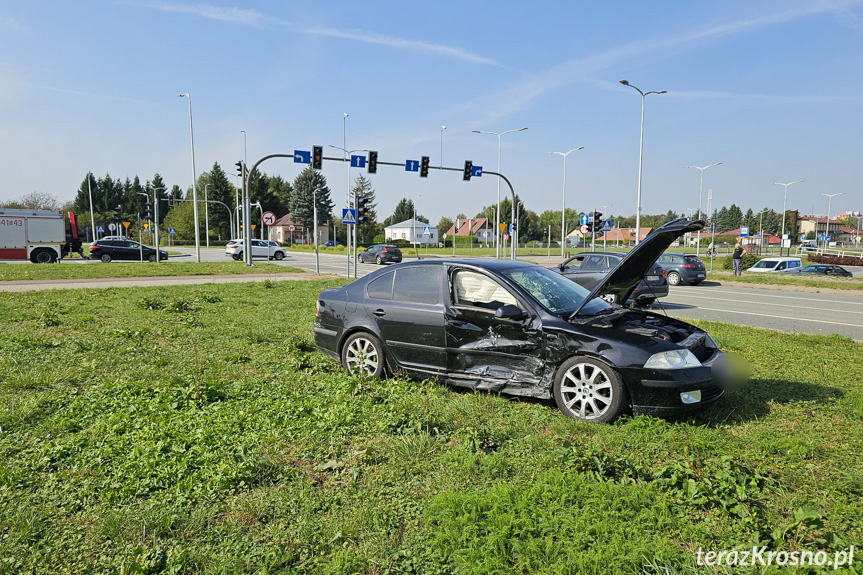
[
  {"x": 779, "y": 279},
  {"x": 195, "y": 429},
  {"x": 95, "y": 269}
]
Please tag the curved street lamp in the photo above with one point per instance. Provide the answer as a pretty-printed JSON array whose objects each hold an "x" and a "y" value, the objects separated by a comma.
[
  {"x": 497, "y": 253},
  {"x": 784, "y": 201},
  {"x": 563, "y": 209},
  {"x": 640, "y": 155},
  {"x": 700, "y": 189},
  {"x": 827, "y": 232}
]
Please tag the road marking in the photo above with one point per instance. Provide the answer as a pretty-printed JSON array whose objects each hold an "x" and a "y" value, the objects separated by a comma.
[
  {"x": 786, "y": 318},
  {"x": 843, "y": 311},
  {"x": 770, "y": 294}
]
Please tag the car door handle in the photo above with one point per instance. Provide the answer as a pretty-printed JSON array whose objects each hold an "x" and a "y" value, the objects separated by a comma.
[{"x": 379, "y": 312}]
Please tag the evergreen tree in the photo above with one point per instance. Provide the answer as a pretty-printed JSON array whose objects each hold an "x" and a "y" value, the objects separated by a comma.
[
  {"x": 302, "y": 199},
  {"x": 404, "y": 211}
]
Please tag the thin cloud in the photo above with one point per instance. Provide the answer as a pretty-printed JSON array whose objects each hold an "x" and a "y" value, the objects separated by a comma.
[
  {"x": 774, "y": 98},
  {"x": 89, "y": 94},
  {"x": 231, "y": 15},
  {"x": 9, "y": 23},
  {"x": 414, "y": 45},
  {"x": 255, "y": 18}
]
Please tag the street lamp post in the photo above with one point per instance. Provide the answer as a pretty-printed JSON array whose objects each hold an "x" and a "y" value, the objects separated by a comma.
[
  {"x": 194, "y": 183},
  {"x": 563, "y": 208},
  {"x": 640, "y": 155},
  {"x": 827, "y": 232},
  {"x": 604, "y": 235},
  {"x": 356, "y": 207},
  {"x": 442, "y": 128},
  {"x": 497, "y": 207},
  {"x": 761, "y": 229},
  {"x": 414, "y": 224},
  {"x": 207, "y": 212},
  {"x": 700, "y": 189},
  {"x": 784, "y": 201}
]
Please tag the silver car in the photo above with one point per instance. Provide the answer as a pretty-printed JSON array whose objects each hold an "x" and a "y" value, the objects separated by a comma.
[{"x": 260, "y": 249}]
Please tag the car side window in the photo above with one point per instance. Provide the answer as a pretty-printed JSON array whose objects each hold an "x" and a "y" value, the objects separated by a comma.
[
  {"x": 595, "y": 263},
  {"x": 574, "y": 264},
  {"x": 382, "y": 287},
  {"x": 781, "y": 266},
  {"x": 665, "y": 259},
  {"x": 419, "y": 284},
  {"x": 476, "y": 290}
]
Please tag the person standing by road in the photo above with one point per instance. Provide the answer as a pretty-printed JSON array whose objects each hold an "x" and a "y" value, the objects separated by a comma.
[{"x": 737, "y": 259}]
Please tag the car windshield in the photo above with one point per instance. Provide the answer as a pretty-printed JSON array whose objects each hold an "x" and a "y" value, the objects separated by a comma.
[
  {"x": 767, "y": 264},
  {"x": 554, "y": 292}
]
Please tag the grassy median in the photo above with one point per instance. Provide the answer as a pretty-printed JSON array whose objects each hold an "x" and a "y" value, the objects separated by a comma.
[
  {"x": 196, "y": 429},
  {"x": 94, "y": 270}
]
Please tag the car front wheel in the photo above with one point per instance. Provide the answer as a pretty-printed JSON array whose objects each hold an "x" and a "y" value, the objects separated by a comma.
[
  {"x": 363, "y": 355},
  {"x": 588, "y": 389},
  {"x": 673, "y": 278}
]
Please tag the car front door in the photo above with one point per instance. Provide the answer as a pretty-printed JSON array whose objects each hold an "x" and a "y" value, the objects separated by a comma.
[
  {"x": 407, "y": 306},
  {"x": 485, "y": 351}
]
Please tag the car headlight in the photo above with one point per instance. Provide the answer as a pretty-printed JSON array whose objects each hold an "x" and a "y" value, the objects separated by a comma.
[{"x": 674, "y": 359}]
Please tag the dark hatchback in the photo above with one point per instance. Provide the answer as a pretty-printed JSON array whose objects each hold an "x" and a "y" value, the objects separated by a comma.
[
  {"x": 683, "y": 268},
  {"x": 380, "y": 254},
  {"x": 822, "y": 270},
  {"x": 117, "y": 248},
  {"x": 522, "y": 329},
  {"x": 588, "y": 269}
]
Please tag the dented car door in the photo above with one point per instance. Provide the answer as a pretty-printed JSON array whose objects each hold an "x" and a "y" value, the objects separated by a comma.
[{"x": 485, "y": 351}]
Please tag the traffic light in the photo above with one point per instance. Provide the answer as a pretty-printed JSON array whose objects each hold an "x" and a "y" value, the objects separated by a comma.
[
  {"x": 171, "y": 200},
  {"x": 468, "y": 168},
  {"x": 373, "y": 162},
  {"x": 148, "y": 211},
  {"x": 317, "y": 157},
  {"x": 239, "y": 169},
  {"x": 362, "y": 209},
  {"x": 596, "y": 225},
  {"x": 424, "y": 167},
  {"x": 118, "y": 213}
]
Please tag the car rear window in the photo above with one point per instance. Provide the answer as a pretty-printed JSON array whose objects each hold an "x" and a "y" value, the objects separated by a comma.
[
  {"x": 382, "y": 287},
  {"x": 692, "y": 260}
]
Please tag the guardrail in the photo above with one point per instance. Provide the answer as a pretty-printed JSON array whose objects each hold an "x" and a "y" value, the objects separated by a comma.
[{"x": 828, "y": 251}]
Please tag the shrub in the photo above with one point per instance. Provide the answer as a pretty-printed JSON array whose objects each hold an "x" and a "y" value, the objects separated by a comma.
[{"x": 836, "y": 260}]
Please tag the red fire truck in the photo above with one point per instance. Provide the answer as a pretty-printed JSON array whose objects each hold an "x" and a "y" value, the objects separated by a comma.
[{"x": 42, "y": 236}]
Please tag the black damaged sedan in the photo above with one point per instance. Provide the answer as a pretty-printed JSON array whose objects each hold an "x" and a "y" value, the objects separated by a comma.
[{"x": 520, "y": 329}]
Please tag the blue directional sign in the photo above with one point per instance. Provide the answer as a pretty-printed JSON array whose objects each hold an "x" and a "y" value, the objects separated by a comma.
[
  {"x": 412, "y": 165},
  {"x": 744, "y": 231},
  {"x": 302, "y": 157},
  {"x": 172, "y": 231},
  {"x": 584, "y": 219},
  {"x": 100, "y": 229},
  {"x": 349, "y": 216},
  {"x": 358, "y": 161},
  {"x": 476, "y": 171},
  {"x": 606, "y": 225}
]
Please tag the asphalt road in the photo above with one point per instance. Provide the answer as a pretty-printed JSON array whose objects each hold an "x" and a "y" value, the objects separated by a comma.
[{"x": 809, "y": 312}]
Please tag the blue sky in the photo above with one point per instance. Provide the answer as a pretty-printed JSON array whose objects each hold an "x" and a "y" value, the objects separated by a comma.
[{"x": 773, "y": 89}]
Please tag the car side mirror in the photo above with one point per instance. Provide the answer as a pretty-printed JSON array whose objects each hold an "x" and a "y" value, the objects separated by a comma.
[{"x": 510, "y": 311}]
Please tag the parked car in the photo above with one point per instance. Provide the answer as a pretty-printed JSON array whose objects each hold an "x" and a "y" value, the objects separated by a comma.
[
  {"x": 260, "y": 249},
  {"x": 517, "y": 328},
  {"x": 822, "y": 270},
  {"x": 776, "y": 264},
  {"x": 588, "y": 269},
  {"x": 119, "y": 248},
  {"x": 331, "y": 244},
  {"x": 685, "y": 268},
  {"x": 380, "y": 254}
]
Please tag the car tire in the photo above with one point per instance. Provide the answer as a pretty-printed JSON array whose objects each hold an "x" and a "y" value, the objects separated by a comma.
[
  {"x": 645, "y": 303},
  {"x": 279, "y": 256},
  {"x": 363, "y": 355},
  {"x": 589, "y": 390},
  {"x": 106, "y": 258},
  {"x": 151, "y": 258},
  {"x": 237, "y": 257},
  {"x": 378, "y": 260},
  {"x": 673, "y": 278}
]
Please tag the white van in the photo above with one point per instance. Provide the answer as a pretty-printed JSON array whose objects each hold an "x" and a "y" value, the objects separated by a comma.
[
  {"x": 776, "y": 265},
  {"x": 809, "y": 244}
]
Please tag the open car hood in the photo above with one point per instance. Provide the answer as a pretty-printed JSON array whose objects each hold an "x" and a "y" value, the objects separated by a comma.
[{"x": 619, "y": 283}]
